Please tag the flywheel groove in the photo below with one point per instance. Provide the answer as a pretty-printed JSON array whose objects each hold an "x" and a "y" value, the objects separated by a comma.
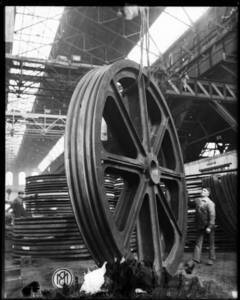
[{"x": 130, "y": 109}]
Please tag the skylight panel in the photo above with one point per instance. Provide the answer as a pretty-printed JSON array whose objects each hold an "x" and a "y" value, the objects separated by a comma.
[
  {"x": 49, "y": 12},
  {"x": 35, "y": 29},
  {"x": 23, "y": 104},
  {"x": 31, "y": 64},
  {"x": 13, "y": 147},
  {"x": 54, "y": 153},
  {"x": 14, "y": 71},
  {"x": 25, "y": 72},
  {"x": 34, "y": 32},
  {"x": 212, "y": 149},
  {"x": 12, "y": 82},
  {"x": 168, "y": 27},
  {"x": 21, "y": 9},
  {"x": 18, "y": 22}
]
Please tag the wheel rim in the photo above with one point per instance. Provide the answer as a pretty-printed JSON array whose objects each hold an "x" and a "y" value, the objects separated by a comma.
[{"x": 142, "y": 149}]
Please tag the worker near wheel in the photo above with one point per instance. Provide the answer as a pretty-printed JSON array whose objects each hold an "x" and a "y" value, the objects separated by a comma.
[
  {"x": 205, "y": 222},
  {"x": 17, "y": 206}
]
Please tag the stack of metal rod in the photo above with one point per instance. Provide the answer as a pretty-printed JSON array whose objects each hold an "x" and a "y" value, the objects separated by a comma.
[
  {"x": 223, "y": 193},
  {"x": 110, "y": 191},
  {"x": 47, "y": 195},
  {"x": 119, "y": 186},
  {"x": 48, "y": 236},
  {"x": 50, "y": 230}
]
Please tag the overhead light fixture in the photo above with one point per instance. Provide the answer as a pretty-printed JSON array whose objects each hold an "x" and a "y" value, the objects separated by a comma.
[
  {"x": 62, "y": 59},
  {"x": 47, "y": 110},
  {"x": 130, "y": 12},
  {"x": 76, "y": 58},
  {"x": 120, "y": 12}
]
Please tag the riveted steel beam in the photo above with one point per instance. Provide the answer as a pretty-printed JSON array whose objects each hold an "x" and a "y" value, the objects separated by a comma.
[
  {"x": 202, "y": 90},
  {"x": 224, "y": 114}
]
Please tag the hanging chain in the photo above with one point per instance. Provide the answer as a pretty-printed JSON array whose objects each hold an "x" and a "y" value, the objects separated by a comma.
[
  {"x": 144, "y": 37},
  {"x": 141, "y": 44},
  {"x": 148, "y": 46}
]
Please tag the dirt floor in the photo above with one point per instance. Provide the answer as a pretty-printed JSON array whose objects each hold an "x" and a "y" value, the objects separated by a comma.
[{"x": 224, "y": 271}]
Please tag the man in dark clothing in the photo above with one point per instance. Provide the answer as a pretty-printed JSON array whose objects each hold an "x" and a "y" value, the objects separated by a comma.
[
  {"x": 17, "y": 206},
  {"x": 205, "y": 221}
]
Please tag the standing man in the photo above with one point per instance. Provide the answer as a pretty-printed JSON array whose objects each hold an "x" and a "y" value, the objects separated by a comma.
[
  {"x": 205, "y": 221},
  {"x": 17, "y": 206},
  {"x": 9, "y": 192}
]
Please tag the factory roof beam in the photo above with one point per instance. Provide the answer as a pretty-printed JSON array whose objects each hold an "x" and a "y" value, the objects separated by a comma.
[
  {"x": 68, "y": 74},
  {"x": 39, "y": 63},
  {"x": 202, "y": 90},
  {"x": 197, "y": 52},
  {"x": 36, "y": 124}
]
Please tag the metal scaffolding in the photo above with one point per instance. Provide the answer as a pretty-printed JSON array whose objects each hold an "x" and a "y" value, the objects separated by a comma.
[{"x": 36, "y": 124}]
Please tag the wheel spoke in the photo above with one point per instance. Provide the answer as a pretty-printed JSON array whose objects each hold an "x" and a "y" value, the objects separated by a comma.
[
  {"x": 144, "y": 113},
  {"x": 159, "y": 135},
  {"x": 155, "y": 95},
  {"x": 167, "y": 210},
  {"x": 156, "y": 234},
  {"x": 167, "y": 173},
  {"x": 134, "y": 210},
  {"x": 125, "y": 116},
  {"x": 119, "y": 162}
]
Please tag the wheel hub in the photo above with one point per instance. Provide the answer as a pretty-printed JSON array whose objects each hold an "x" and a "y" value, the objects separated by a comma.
[{"x": 153, "y": 171}]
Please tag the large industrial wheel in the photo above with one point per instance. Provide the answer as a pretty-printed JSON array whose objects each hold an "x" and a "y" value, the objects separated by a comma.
[{"x": 118, "y": 123}]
